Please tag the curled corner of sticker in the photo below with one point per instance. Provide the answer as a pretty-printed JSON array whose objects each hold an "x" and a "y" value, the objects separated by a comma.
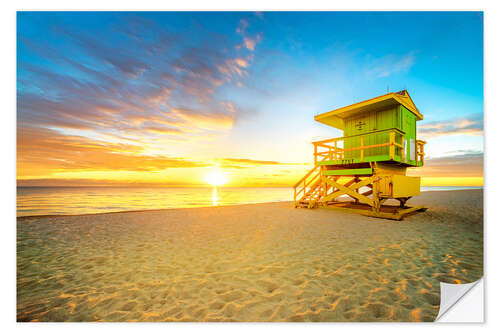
[{"x": 451, "y": 294}]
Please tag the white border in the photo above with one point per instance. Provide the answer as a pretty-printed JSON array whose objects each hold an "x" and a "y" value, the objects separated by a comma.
[{"x": 8, "y": 128}]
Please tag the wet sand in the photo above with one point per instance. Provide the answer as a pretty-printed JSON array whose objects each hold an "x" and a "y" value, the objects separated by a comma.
[{"x": 260, "y": 262}]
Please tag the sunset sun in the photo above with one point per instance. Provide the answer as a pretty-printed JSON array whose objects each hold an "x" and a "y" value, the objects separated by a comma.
[{"x": 215, "y": 178}]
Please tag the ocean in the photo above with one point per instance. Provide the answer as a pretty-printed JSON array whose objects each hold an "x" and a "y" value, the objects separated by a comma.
[{"x": 90, "y": 200}]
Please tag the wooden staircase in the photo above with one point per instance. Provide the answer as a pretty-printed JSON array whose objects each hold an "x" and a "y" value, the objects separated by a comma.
[{"x": 308, "y": 191}]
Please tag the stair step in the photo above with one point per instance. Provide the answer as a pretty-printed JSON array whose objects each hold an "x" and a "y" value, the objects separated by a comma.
[{"x": 312, "y": 193}]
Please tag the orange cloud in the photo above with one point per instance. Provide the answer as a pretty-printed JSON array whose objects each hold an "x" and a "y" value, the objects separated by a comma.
[
  {"x": 161, "y": 130},
  {"x": 241, "y": 62},
  {"x": 98, "y": 182},
  {"x": 247, "y": 161},
  {"x": 42, "y": 152},
  {"x": 206, "y": 120}
]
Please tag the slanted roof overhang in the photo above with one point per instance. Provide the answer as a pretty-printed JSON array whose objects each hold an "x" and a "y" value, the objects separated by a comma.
[{"x": 336, "y": 117}]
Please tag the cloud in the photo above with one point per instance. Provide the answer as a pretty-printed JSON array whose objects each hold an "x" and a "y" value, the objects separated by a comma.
[
  {"x": 44, "y": 182},
  {"x": 205, "y": 119},
  {"x": 241, "y": 62},
  {"x": 467, "y": 164},
  {"x": 251, "y": 42},
  {"x": 161, "y": 130},
  {"x": 250, "y": 161},
  {"x": 242, "y": 26},
  {"x": 134, "y": 82},
  {"x": 390, "y": 64},
  {"x": 43, "y": 150},
  {"x": 233, "y": 67},
  {"x": 241, "y": 163},
  {"x": 469, "y": 125},
  {"x": 106, "y": 82}
]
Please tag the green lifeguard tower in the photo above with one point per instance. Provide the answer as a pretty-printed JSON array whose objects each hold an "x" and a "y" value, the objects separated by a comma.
[{"x": 369, "y": 163}]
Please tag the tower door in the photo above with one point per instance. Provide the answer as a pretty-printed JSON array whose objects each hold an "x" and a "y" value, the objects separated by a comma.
[{"x": 408, "y": 125}]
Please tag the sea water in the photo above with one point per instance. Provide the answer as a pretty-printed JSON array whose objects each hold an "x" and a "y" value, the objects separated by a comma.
[{"x": 89, "y": 200}]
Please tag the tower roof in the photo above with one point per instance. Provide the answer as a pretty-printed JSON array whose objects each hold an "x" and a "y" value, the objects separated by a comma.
[{"x": 336, "y": 117}]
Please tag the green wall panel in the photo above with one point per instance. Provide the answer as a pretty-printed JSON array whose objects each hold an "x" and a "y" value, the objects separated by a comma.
[{"x": 366, "y": 123}]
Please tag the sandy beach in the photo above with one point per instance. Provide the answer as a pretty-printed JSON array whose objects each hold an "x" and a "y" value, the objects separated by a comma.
[{"x": 259, "y": 262}]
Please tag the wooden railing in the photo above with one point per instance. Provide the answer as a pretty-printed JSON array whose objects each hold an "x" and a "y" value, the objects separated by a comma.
[
  {"x": 307, "y": 184},
  {"x": 420, "y": 151},
  {"x": 309, "y": 187},
  {"x": 333, "y": 149}
]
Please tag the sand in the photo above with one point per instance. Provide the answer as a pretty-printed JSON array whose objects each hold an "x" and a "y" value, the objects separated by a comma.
[{"x": 259, "y": 262}]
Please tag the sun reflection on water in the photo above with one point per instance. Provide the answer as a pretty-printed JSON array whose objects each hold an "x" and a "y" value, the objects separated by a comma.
[
  {"x": 89, "y": 200},
  {"x": 214, "y": 196}
]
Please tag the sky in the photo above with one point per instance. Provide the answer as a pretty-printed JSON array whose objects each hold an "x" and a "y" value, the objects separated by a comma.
[{"x": 165, "y": 98}]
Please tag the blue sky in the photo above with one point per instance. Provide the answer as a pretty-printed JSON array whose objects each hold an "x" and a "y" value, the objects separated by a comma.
[{"x": 238, "y": 88}]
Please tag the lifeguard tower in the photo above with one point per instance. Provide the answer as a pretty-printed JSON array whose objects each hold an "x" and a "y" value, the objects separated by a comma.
[{"x": 367, "y": 165}]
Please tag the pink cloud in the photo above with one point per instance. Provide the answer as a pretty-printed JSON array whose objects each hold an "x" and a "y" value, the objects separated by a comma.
[
  {"x": 470, "y": 125},
  {"x": 251, "y": 43}
]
